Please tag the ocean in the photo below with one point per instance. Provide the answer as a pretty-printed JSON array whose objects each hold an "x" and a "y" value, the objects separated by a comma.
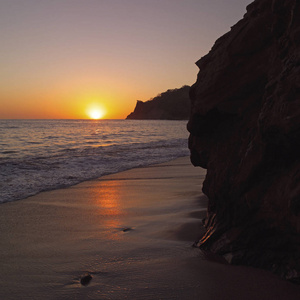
[{"x": 41, "y": 155}]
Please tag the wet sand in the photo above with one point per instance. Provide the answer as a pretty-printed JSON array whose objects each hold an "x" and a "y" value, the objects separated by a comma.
[{"x": 133, "y": 232}]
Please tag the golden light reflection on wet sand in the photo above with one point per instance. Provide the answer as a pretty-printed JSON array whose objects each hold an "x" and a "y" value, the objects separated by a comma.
[{"x": 108, "y": 204}]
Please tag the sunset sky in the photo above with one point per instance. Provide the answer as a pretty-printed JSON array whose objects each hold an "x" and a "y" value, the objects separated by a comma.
[{"x": 63, "y": 58}]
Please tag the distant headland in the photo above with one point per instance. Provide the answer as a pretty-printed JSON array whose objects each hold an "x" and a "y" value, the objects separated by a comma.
[{"x": 173, "y": 104}]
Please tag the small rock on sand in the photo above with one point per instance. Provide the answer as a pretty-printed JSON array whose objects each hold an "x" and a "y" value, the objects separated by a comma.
[
  {"x": 127, "y": 229},
  {"x": 86, "y": 279}
]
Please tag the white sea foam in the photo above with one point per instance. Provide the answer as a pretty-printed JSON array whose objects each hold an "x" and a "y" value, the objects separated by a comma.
[{"x": 39, "y": 155}]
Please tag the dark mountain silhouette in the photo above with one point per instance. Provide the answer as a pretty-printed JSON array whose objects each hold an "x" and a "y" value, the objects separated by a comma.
[{"x": 170, "y": 105}]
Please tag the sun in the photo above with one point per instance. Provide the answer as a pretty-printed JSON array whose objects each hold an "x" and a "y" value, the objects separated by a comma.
[{"x": 95, "y": 113}]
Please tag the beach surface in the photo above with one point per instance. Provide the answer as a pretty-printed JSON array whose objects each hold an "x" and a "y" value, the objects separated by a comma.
[{"x": 132, "y": 232}]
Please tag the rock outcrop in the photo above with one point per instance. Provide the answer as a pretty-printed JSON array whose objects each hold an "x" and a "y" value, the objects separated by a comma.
[
  {"x": 170, "y": 105},
  {"x": 245, "y": 129}
]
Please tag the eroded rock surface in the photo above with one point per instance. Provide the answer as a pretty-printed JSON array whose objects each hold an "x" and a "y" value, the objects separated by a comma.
[{"x": 245, "y": 129}]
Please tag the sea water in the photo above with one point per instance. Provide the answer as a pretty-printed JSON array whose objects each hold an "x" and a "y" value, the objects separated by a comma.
[{"x": 40, "y": 155}]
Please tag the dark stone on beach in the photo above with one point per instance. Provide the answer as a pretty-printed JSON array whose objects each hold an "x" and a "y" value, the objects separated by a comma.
[
  {"x": 245, "y": 129},
  {"x": 86, "y": 279},
  {"x": 127, "y": 229},
  {"x": 170, "y": 105}
]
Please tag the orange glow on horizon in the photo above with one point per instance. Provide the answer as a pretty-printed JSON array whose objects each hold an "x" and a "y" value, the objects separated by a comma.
[{"x": 76, "y": 104}]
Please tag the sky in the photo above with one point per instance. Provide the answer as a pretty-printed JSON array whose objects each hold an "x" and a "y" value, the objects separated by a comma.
[{"x": 63, "y": 59}]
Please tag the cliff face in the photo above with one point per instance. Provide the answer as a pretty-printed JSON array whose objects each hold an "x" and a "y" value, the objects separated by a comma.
[
  {"x": 245, "y": 129},
  {"x": 170, "y": 105}
]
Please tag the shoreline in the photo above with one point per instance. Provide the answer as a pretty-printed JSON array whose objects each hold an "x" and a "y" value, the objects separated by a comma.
[
  {"x": 88, "y": 179},
  {"x": 51, "y": 158},
  {"x": 132, "y": 231}
]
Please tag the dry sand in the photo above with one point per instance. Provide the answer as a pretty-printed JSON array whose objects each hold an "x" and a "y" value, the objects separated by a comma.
[{"x": 133, "y": 232}]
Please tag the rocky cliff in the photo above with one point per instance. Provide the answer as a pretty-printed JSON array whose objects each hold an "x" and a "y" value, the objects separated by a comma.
[
  {"x": 170, "y": 105},
  {"x": 245, "y": 129}
]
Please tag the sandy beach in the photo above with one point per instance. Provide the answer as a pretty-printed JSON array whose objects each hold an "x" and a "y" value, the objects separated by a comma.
[{"x": 132, "y": 232}]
